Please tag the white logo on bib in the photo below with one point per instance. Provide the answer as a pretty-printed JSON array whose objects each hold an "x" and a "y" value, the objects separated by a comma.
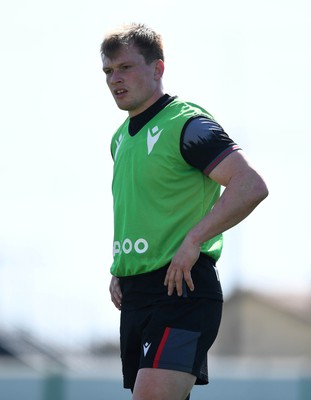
[{"x": 153, "y": 137}]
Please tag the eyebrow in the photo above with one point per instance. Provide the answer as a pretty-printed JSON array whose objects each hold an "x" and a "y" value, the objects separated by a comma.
[{"x": 121, "y": 64}]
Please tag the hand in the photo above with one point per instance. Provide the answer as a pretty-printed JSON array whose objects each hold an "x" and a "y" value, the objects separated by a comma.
[
  {"x": 115, "y": 292},
  {"x": 180, "y": 267}
]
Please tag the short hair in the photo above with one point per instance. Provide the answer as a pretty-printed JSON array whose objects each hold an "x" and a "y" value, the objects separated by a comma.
[{"x": 148, "y": 42}]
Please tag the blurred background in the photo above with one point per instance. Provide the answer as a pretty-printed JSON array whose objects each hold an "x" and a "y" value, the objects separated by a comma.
[{"x": 248, "y": 63}]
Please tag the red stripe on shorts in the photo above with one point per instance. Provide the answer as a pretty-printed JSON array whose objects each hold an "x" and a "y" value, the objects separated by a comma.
[{"x": 161, "y": 347}]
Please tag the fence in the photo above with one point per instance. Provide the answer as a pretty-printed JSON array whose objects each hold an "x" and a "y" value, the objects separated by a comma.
[{"x": 100, "y": 379}]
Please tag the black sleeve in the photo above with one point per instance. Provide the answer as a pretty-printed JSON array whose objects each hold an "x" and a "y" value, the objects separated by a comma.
[{"x": 204, "y": 144}]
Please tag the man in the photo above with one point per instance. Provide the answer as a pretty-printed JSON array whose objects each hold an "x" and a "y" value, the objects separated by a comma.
[{"x": 170, "y": 160}]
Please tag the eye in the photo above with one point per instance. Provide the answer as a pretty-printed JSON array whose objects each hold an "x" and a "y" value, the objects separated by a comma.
[{"x": 107, "y": 71}]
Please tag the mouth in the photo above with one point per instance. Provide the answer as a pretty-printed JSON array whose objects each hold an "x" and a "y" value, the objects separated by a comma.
[{"x": 119, "y": 92}]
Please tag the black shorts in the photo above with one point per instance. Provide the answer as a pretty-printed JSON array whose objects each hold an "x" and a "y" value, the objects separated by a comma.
[{"x": 169, "y": 332}]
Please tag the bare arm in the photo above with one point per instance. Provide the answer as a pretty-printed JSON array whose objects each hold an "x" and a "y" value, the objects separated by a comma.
[{"x": 244, "y": 190}]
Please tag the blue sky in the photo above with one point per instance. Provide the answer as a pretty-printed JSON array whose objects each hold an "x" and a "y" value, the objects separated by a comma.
[{"x": 247, "y": 62}]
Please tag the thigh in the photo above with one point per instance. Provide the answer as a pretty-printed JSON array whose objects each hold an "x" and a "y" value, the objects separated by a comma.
[
  {"x": 174, "y": 335},
  {"x": 179, "y": 335},
  {"x": 162, "y": 384},
  {"x": 133, "y": 323}
]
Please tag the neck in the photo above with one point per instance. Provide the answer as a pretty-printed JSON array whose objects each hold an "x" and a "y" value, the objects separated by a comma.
[
  {"x": 137, "y": 122},
  {"x": 154, "y": 98}
]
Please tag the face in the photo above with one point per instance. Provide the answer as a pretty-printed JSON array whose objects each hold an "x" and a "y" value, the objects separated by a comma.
[{"x": 134, "y": 85}]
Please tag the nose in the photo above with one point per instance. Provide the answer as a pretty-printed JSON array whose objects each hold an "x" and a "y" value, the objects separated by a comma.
[{"x": 115, "y": 77}]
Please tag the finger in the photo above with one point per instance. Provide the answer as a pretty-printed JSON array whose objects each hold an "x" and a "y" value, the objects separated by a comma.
[
  {"x": 167, "y": 276},
  {"x": 116, "y": 301},
  {"x": 170, "y": 282},
  {"x": 116, "y": 304},
  {"x": 179, "y": 282},
  {"x": 175, "y": 282},
  {"x": 170, "y": 287},
  {"x": 166, "y": 279},
  {"x": 189, "y": 281},
  {"x": 115, "y": 293}
]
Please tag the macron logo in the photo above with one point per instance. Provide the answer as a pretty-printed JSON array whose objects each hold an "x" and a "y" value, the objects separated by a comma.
[
  {"x": 118, "y": 144},
  {"x": 153, "y": 137},
  {"x": 146, "y": 347}
]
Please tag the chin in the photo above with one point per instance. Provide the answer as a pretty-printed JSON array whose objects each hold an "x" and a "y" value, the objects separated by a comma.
[{"x": 121, "y": 106}]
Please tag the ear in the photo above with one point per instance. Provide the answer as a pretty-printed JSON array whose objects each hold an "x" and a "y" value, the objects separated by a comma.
[{"x": 159, "y": 69}]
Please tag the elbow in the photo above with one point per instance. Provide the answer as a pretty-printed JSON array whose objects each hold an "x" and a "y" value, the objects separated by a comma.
[{"x": 260, "y": 191}]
